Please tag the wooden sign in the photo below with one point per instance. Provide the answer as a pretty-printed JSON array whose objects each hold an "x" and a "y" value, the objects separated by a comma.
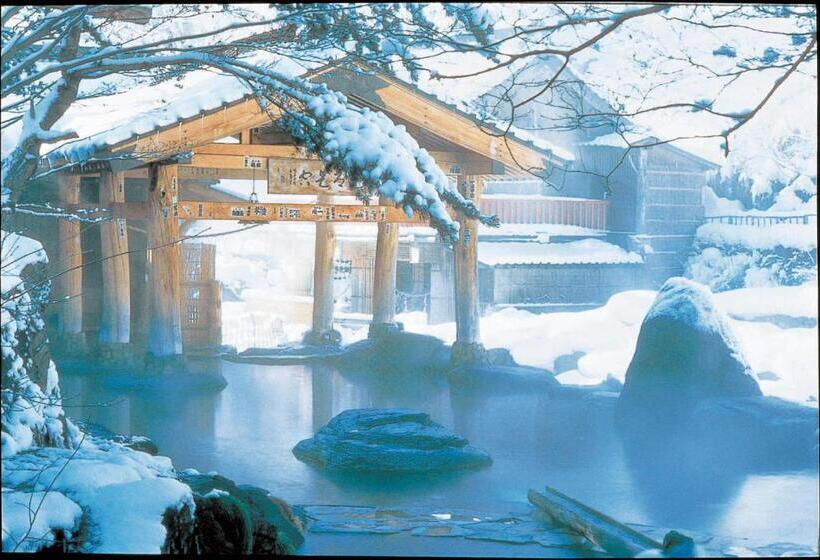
[
  {"x": 304, "y": 177},
  {"x": 274, "y": 212}
]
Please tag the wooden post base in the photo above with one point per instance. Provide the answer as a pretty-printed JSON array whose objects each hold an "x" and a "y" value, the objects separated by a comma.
[
  {"x": 172, "y": 363},
  {"x": 69, "y": 344},
  {"x": 330, "y": 337},
  {"x": 119, "y": 354},
  {"x": 379, "y": 330},
  {"x": 469, "y": 354}
]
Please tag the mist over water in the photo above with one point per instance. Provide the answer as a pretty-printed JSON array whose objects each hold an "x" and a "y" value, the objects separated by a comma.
[{"x": 246, "y": 432}]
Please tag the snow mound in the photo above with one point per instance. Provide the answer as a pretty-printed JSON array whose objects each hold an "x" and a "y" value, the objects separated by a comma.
[
  {"x": 25, "y": 532},
  {"x": 123, "y": 494},
  {"x": 793, "y": 236}
]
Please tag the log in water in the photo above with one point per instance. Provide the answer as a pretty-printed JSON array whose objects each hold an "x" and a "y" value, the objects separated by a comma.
[{"x": 614, "y": 537}]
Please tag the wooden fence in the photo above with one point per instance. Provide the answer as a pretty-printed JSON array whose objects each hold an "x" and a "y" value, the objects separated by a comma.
[
  {"x": 202, "y": 298},
  {"x": 590, "y": 213}
]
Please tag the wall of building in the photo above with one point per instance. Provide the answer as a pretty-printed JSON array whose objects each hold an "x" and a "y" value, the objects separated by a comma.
[{"x": 561, "y": 284}]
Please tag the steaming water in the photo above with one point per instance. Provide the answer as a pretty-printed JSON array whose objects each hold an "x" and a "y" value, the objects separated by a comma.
[{"x": 246, "y": 432}]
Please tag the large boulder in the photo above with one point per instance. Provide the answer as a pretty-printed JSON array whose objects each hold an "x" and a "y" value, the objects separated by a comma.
[
  {"x": 686, "y": 352},
  {"x": 372, "y": 439}
]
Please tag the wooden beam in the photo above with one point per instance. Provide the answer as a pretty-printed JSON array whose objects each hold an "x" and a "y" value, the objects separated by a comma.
[
  {"x": 131, "y": 210},
  {"x": 384, "y": 277},
  {"x": 289, "y": 151},
  {"x": 259, "y": 212},
  {"x": 115, "y": 324},
  {"x": 273, "y": 212},
  {"x": 235, "y": 156},
  {"x": 68, "y": 287},
  {"x": 164, "y": 324},
  {"x": 325, "y": 246},
  {"x": 467, "y": 348}
]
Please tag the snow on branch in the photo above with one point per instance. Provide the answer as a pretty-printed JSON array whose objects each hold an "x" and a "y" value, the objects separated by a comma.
[{"x": 380, "y": 156}]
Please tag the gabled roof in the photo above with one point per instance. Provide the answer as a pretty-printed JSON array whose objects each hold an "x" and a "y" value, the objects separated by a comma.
[{"x": 202, "y": 117}]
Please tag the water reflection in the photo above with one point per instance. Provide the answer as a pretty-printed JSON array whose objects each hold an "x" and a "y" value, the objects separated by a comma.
[{"x": 247, "y": 431}]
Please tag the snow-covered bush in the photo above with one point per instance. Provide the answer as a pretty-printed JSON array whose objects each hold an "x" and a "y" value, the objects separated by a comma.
[
  {"x": 30, "y": 414},
  {"x": 727, "y": 257},
  {"x": 778, "y": 194}
]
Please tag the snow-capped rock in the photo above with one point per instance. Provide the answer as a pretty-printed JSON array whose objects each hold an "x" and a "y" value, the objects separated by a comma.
[{"x": 686, "y": 352}]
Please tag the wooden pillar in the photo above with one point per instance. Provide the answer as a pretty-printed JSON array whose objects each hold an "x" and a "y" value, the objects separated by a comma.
[
  {"x": 164, "y": 288},
  {"x": 68, "y": 286},
  {"x": 322, "y": 331},
  {"x": 115, "y": 324},
  {"x": 384, "y": 278},
  {"x": 467, "y": 347}
]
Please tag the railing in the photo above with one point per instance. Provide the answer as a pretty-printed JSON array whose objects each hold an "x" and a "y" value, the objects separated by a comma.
[
  {"x": 590, "y": 213},
  {"x": 762, "y": 221}
]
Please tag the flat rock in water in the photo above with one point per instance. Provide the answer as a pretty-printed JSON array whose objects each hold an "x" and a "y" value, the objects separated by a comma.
[
  {"x": 397, "y": 351},
  {"x": 396, "y": 439},
  {"x": 686, "y": 352}
]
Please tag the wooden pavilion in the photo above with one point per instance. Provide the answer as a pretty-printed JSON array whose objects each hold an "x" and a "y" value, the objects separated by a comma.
[{"x": 153, "y": 182}]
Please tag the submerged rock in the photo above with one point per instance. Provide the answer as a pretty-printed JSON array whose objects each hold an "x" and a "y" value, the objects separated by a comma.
[
  {"x": 372, "y": 439},
  {"x": 685, "y": 353},
  {"x": 772, "y": 432}
]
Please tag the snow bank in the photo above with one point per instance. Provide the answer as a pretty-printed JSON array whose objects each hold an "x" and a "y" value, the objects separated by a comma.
[
  {"x": 123, "y": 493},
  {"x": 25, "y": 532},
  {"x": 573, "y": 252},
  {"x": 128, "y": 517},
  {"x": 31, "y": 413},
  {"x": 750, "y": 304},
  {"x": 796, "y": 236},
  {"x": 606, "y": 337}
]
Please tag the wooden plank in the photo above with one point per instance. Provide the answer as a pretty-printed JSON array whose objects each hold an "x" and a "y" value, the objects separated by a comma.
[
  {"x": 384, "y": 273},
  {"x": 68, "y": 287},
  {"x": 273, "y": 212},
  {"x": 304, "y": 177},
  {"x": 115, "y": 323},
  {"x": 164, "y": 327}
]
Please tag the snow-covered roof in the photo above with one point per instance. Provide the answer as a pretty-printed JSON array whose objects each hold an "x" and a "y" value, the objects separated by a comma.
[
  {"x": 615, "y": 140},
  {"x": 584, "y": 251},
  {"x": 221, "y": 91},
  {"x": 224, "y": 90}
]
